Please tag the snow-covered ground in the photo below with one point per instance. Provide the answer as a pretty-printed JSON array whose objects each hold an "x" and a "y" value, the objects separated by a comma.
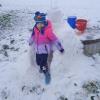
[{"x": 74, "y": 75}]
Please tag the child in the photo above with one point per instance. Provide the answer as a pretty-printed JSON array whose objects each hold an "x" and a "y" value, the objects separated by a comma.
[{"x": 43, "y": 39}]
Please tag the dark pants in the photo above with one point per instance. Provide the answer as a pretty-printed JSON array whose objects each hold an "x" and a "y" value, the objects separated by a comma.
[{"x": 41, "y": 60}]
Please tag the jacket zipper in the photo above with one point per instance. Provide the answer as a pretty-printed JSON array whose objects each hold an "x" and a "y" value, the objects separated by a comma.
[
  {"x": 46, "y": 48},
  {"x": 37, "y": 42}
]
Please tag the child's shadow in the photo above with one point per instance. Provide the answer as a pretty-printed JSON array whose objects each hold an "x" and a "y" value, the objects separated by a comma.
[{"x": 32, "y": 57}]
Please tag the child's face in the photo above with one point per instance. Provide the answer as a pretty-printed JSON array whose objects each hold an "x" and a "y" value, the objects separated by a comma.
[{"x": 40, "y": 25}]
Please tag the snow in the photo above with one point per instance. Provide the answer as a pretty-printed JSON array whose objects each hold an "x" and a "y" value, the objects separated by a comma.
[{"x": 69, "y": 71}]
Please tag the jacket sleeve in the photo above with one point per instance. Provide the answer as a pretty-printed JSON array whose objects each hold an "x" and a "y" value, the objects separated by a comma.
[
  {"x": 31, "y": 38},
  {"x": 30, "y": 41},
  {"x": 58, "y": 44},
  {"x": 53, "y": 38}
]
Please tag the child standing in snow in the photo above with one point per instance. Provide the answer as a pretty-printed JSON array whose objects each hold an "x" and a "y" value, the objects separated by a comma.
[{"x": 43, "y": 39}]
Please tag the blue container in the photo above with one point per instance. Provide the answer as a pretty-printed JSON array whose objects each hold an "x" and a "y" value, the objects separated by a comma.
[{"x": 72, "y": 21}]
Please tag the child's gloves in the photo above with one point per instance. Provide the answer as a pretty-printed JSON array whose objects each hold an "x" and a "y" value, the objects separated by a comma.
[
  {"x": 30, "y": 44},
  {"x": 62, "y": 50},
  {"x": 30, "y": 41}
]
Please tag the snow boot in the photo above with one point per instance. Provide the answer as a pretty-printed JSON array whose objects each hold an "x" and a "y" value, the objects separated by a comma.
[{"x": 47, "y": 77}]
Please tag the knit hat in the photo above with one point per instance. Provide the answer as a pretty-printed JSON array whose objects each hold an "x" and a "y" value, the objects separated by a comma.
[{"x": 40, "y": 17}]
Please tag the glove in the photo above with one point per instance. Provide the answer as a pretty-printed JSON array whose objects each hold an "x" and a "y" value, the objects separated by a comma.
[
  {"x": 30, "y": 41},
  {"x": 30, "y": 44},
  {"x": 62, "y": 50}
]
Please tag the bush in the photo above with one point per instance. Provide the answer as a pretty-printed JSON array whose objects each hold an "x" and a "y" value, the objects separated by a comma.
[
  {"x": 92, "y": 86},
  {"x": 5, "y": 21},
  {"x": 62, "y": 98}
]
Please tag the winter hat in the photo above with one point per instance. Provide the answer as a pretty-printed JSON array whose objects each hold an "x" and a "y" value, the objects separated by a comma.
[{"x": 40, "y": 17}]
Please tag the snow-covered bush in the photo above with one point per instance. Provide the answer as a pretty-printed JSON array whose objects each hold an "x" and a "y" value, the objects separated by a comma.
[
  {"x": 5, "y": 21},
  {"x": 62, "y": 98},
  {"x": 8, "y": 19},
  {"x": 92, "y": 87}
]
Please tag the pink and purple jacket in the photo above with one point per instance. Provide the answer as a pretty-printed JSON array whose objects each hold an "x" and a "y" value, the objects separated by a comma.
[{"x": 43, "y": 43}]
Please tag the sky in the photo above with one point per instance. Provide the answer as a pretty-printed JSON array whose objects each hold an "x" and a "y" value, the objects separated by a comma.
[
  {"x": 88, "y": 8},
  {"x": 67, "y": 3}
]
